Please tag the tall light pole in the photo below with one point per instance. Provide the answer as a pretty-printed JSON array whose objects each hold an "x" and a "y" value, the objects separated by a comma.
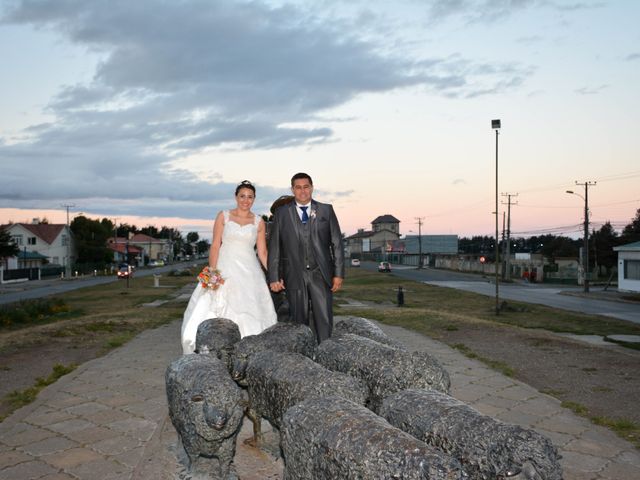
[
  {"x": 495, "y": 124},
  {"x": 67, "y": 273},
  {"x": 419, "y": 219},
  {"x": 585, "y": 248}
]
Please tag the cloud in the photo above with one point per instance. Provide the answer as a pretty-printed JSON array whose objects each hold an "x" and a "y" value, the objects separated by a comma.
[
  {"x": 489, "y": 11},
  {"x": 459, "y": 181},
  {"x": 181, "y": 78},
  {"x": 591, "y": 90},
  {"x": 632, "y": 57}
]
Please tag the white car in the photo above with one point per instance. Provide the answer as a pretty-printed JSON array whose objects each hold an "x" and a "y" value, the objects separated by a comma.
[{"x": 355, "y": 262}]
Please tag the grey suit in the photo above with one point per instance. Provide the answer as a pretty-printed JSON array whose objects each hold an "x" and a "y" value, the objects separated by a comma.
[{"x": 309, "y": 256}]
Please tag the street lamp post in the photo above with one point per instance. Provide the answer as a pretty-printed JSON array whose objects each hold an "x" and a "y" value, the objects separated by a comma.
[
  {"x": 496, "y": 124},
  {"x": 585, "y": 247},
  {"x": 419, "y": 241}
]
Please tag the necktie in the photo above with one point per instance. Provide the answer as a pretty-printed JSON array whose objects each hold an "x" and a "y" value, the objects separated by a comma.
[{"x": 305, "y": 217}]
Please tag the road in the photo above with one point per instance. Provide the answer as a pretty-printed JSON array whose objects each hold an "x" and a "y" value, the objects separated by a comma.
[
  {"x": 43, "y": 288},
  {"x": 566, "y": 298}
]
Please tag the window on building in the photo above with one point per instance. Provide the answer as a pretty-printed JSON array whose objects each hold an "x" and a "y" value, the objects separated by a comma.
[
  {"x": 55, "y": 260},
  {"x": 632, "y": 269},
  {"x": 17, "y": 239},
  {"x": 31, "y": 240},
  {"x": 65, "y": 240}
]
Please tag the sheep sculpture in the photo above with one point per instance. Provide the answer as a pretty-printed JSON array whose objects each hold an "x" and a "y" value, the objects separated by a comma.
[
  {"x": 364, "y": 328},
  {"x": 218, "y": 336},
  {"x": 277, "y": 381},
  {"x": 487, "y": 448},
  {"x": 331, "y": 437},
  {"x": 281, "y": 337},
  {"x": 382, "y": 368},
  {"x": 206, "y": 408}
]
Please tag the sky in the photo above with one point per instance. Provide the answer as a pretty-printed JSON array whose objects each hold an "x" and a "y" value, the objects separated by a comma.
[{"x": 151, "y": 112}]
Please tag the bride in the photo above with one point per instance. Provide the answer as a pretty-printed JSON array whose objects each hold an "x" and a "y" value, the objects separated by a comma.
[{"x": 244, "y": 296}]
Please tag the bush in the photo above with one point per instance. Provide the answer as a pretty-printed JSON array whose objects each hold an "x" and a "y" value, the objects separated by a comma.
[{"x": 31, "y": 311}]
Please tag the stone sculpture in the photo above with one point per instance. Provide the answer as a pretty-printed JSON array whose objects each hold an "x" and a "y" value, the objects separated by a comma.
[
  {"x": 218, "y": 336},
  {"x": 364, "y": 328},
  {"x": 277, "y": 381},
  {"x": 206, "y": 408},
  {"x": 281, "y": 337},
  {"x": 487, "y": 448},
  {"x": 383, "y": 369},
  {"x": 333, "y": 438}
]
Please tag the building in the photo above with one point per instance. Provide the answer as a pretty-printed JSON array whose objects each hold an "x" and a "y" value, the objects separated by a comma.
[
  {"x": 384, "y": 233},
  {"x": 124, "y": 251},
  {"x": 629, "y": 267},
  {"x": 136, "y": 247},
  {"x": 153, "y": 248},
  {"x": 431, "y": 244},
  {"x": 40, "y": 241}
]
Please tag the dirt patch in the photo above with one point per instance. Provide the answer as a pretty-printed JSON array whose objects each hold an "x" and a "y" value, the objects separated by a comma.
[{"x": 605, "y": 380}]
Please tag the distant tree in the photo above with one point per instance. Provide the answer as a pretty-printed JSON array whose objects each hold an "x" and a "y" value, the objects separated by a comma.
[
  {"x": 476, "y": 244},
  {"x": 202, "y": 246},
  {"x": 124, "y": 229},
  {"x": 193, "y": 237},
  {"x": 561, "y": 247},
  {"x": 91, "y": 241},
  {"x": 150, "y": 230},
  {"x": 631, "y": 232},
  {"x": 108, "y": 225},
  {"x": 602, "y": 244},
  {"x": 8, "y": 247}
]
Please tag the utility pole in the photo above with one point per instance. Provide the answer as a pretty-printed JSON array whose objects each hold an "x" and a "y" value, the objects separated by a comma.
[
  {"x": 419, "y": 219},
  {"x": 507, "y": 255},
  {"x": 67, "y": 266},
  {"x": 585, "y": 248},
  {"x": 585, "y": 253}
]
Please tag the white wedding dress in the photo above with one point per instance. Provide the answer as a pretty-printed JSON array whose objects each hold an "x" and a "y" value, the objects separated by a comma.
[{"x": 244, "y": 297}]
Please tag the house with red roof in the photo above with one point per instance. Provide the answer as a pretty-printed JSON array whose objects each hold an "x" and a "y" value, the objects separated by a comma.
[
  {"x": 42, "y": 243},
  {"x": 137, "y": 246}
]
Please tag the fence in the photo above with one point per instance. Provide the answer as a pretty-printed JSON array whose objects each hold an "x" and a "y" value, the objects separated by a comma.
[{"x": 19, "y": 274}]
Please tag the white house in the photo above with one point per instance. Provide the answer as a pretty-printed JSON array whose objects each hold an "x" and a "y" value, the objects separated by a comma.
[
  {"x": 629, "y": 267},
  {"x": 53, "y": 241}
]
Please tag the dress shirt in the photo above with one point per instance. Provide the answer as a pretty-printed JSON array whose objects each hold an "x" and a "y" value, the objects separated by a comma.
[{"x": 299, "y": 210}]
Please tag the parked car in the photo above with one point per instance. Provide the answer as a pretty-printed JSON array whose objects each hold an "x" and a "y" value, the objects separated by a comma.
[
  {"x": 125, "y": 271},
  {"x": 384, "y": 267},
  {"x": 355, "y": 262},
  {"x": 156, "y": 263}
]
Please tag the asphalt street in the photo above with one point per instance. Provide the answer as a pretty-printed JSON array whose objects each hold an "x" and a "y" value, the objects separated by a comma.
[{"x": 14, "y": 292}]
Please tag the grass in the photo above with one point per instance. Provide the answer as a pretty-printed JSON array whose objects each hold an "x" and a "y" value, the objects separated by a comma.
[
  {"x": 19, "y": 398},
  {"x": 431, "y": 309},
  {"x": 98, "y": 318},
  {"x": 33, "y": 312},
  {"x": 501, "y": 367},
  {"x": 626, "y": 429}
]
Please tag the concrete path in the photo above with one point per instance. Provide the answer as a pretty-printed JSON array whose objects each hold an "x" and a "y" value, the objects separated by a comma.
[{"x": 108, "y": 420}]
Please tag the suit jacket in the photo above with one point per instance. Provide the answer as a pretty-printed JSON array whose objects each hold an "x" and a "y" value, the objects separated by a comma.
[{"x": 286, "y": 244}]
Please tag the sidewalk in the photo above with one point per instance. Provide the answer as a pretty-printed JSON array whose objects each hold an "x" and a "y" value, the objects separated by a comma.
[{"x": 108, "y": 420}]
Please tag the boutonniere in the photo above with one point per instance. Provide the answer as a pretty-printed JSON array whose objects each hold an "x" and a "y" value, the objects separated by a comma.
[{"x": 312, "y": 214}]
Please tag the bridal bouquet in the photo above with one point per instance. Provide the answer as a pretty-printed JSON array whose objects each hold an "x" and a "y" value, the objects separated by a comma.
[{"x": 210, "y": 278}]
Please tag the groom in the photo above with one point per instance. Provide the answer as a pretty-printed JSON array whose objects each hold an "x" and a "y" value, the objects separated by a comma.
[{"x": 306, "y": 243}]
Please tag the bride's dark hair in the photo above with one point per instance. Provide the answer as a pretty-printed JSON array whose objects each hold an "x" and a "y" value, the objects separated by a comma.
[{"x": 245, "y": 184}]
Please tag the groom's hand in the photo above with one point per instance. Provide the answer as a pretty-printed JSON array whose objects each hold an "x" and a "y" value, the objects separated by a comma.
[
  {"x": 277, "y": 286},
  {"x": 337, "y": 284}
]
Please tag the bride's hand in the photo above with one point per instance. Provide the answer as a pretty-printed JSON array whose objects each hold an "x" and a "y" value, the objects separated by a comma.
[{"x": 277, "y": 286}]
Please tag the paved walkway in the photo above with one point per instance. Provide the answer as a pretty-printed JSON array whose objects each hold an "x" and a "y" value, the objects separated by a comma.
[{"x": 108, "y": 420}]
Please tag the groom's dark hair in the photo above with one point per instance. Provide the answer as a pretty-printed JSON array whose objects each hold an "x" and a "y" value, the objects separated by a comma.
[{"x": 299, "y": 176}]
